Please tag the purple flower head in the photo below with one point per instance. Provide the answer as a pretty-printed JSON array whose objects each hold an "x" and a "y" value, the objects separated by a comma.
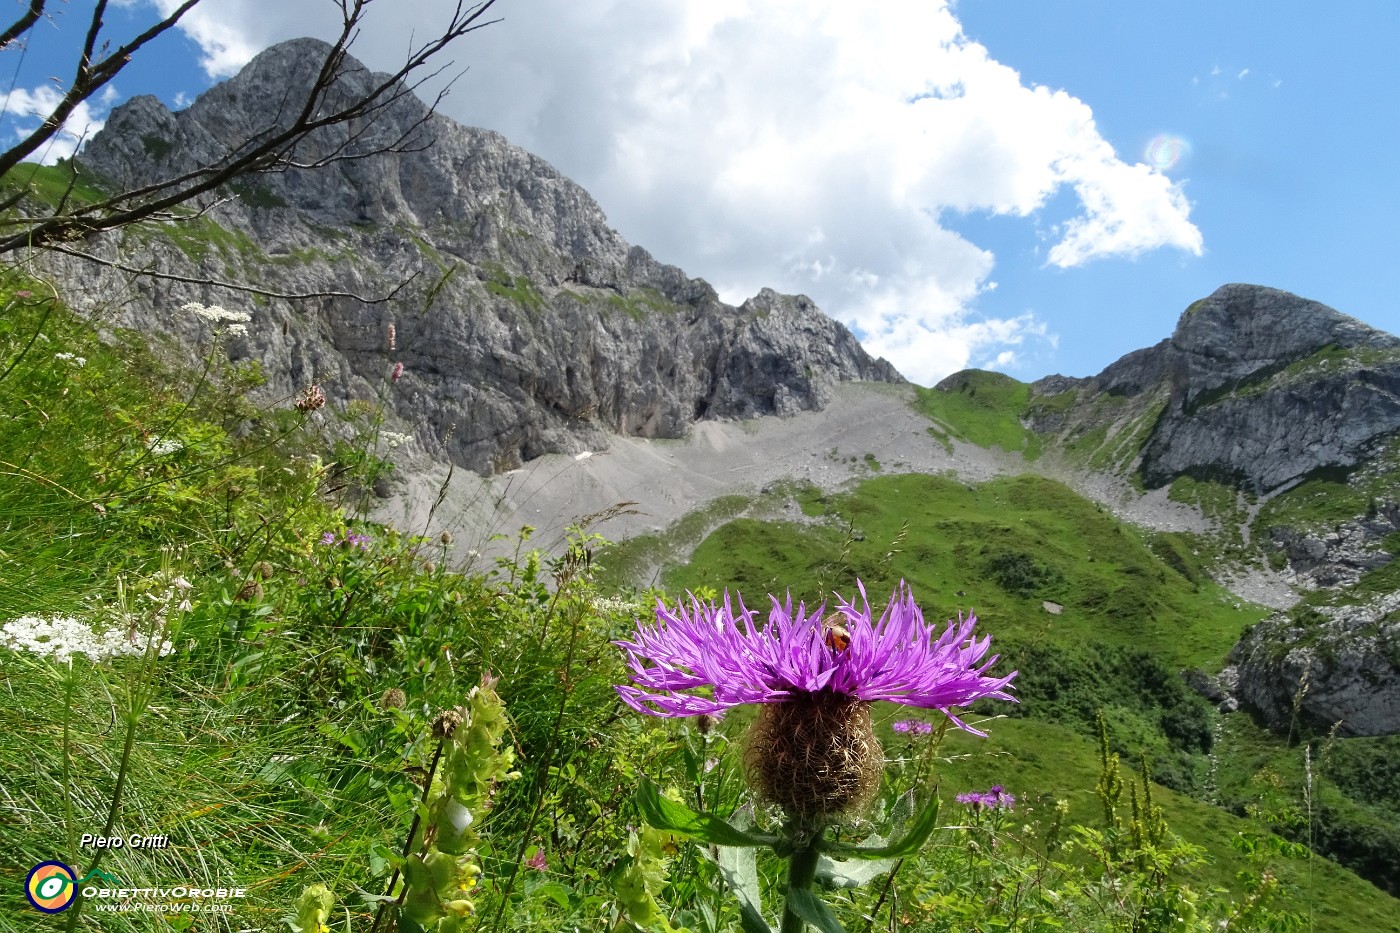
[
  {"x": 537, "y": 861},
  {"x": 992, "y": 799},
  {"x": 347, "y": 539},
  {"x": 898, "y": 658},
  {"x": 913, "y": 726}
]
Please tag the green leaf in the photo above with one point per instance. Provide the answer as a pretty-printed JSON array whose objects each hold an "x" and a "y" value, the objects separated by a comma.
[
  {"x": 664, "y": 813},
  {"x": 805, "y": 903},
  {"x": 738, "y": 869},
  {"x": 553, "y": 890},
  {"x": 910, "y": 843},
  {"x": 851, "y": 873}
]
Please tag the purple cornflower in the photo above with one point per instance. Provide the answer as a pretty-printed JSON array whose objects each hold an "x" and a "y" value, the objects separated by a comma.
[
  {"x": 812, "y": 750},
  {"x": 350, "y": 539},
  {"x": 992, "y": 799},
  {"x": 915, "y": 726},
  {"x": 898, "y": 659}
]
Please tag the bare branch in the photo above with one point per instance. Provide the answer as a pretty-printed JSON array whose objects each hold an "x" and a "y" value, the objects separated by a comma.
[
  {"x": 90, "y": 79},
  {"x": 20, "y": 26},
  {"x": 153, "y": 273},
  {"x": 272, "y": 150}
]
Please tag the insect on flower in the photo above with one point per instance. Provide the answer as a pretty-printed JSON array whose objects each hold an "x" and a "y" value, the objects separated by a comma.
[{"x": 836, "y": 638}]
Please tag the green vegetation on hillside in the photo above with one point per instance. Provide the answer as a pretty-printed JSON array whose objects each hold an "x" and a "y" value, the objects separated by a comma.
[
  {"x": 944, "y": 537},
  {"x": 984, "y": 408}
]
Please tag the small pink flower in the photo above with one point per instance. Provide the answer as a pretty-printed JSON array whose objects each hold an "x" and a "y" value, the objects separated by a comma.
[
  {"x": 392, "y": 334},
  {"x": 536, "y": 861},
  {"x": 398, "y": 371}
]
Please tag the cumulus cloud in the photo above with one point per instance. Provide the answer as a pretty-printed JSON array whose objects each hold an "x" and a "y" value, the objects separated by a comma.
[
  {"x": 807, "y": 145},
  {"x": 24, "y": 110}
]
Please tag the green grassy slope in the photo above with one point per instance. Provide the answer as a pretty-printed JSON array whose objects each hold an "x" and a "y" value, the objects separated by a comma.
[
  {"x": 1009, "y": 545},
  {"x": 1135, "y": 609}
]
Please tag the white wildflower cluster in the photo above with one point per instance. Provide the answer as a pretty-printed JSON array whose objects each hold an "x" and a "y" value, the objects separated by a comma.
[
  {"x": 60, "y": 637},
  {"x": 394, "y": 439},
  {"x": 71, "y": 358},
  {"x": 164, "y": 447},
  {"x": 236, "y": 321},
  {"x": 608, "y": 605}
]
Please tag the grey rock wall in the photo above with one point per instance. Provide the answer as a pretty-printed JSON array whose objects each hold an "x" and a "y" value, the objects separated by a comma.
[{"x": 528, "y": 325}]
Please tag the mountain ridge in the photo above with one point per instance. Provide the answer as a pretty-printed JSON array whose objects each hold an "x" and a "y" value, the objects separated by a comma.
[{"x": 528, "y": 326}]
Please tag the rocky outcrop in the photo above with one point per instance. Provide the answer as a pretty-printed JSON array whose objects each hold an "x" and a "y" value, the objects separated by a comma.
[
  {"x": 1338, "y": 665},
  {"x": 1268, "y": 387},
  {"x": 527, "y": 325},
  {"x": 1261, "y": 387},
  {"x": 1341, "y": 556}
]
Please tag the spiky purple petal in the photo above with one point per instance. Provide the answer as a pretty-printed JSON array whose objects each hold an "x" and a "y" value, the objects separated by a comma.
[{"x": 897, "y": 658}]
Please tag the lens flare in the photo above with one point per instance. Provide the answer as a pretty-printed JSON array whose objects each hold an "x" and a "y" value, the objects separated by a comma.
[{"x": 1165, "y": 151}]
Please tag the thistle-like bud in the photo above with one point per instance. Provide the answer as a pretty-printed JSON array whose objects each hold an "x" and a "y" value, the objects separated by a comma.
[
  {"x": 250, "y": 591},
  {"x": 311, "y": 398},
  {"x": 447, "y": 722},
  {"x": 393, "y": 698},
  {"x": 815, "y": 756}
]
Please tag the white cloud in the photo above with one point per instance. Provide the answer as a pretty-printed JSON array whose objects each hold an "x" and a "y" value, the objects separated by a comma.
[
  {"x": 25, "y": 110},
  {"x": 808, "y": 145}
]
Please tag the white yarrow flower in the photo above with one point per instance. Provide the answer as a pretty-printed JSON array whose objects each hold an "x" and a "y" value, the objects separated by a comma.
[
  {"x": 71, "y": 358},
  {"x": 60, "y": 637},
  {"x": 164, "y": 447},
  {"x": 394, "y": 439},
  {"x": 213, "y": 314}
]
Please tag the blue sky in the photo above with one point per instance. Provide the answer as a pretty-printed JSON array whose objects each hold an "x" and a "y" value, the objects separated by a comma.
[{"x": 965, "y": 185}]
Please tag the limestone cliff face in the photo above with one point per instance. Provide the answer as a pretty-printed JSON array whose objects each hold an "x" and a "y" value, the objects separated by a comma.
[
  {"x": 1334, "y": 666},
  {"x": 1256, "y": 386},
  {"x": 1269, "y": 387},
  {"x": 528, "y": 325}
]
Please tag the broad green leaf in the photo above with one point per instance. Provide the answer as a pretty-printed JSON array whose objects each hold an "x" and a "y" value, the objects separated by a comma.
[
  {"x": 851, "y": 873},
  {"x": 737, "y": 867},
  {"x": 920, "y": 828},
  {"x": 664, "y": 813},
  {"x": 805, "y": 903}
]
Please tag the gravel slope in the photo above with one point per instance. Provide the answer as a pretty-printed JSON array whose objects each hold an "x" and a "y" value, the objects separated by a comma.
[{"x": 664, "y": 480}]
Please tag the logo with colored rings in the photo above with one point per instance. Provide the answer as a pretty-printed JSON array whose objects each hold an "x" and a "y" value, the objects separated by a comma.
[{"x": 50, "y": 887}]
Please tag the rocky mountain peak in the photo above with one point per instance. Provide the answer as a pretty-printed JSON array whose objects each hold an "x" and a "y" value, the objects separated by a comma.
[
  {"x": 529, "y": 326},
  {"x": 1240, "y": 330}
]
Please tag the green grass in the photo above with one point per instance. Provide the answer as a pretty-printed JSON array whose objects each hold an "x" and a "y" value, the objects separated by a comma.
[
  {"x": 514, "y": 288},
  {"x": 1137, "y": 608},
  {"x": 51, "y": 184},
  {"x": 1037, "y": 760},
  {"x": 1114, "y": 590},
  {"x": 984, "y": 408},
  {"x": 201, "y": 238},
  {"x": 640, "y": 303}
]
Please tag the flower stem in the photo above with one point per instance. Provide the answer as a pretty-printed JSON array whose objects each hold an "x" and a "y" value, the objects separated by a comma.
[{"x": 802, "y": 871}]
